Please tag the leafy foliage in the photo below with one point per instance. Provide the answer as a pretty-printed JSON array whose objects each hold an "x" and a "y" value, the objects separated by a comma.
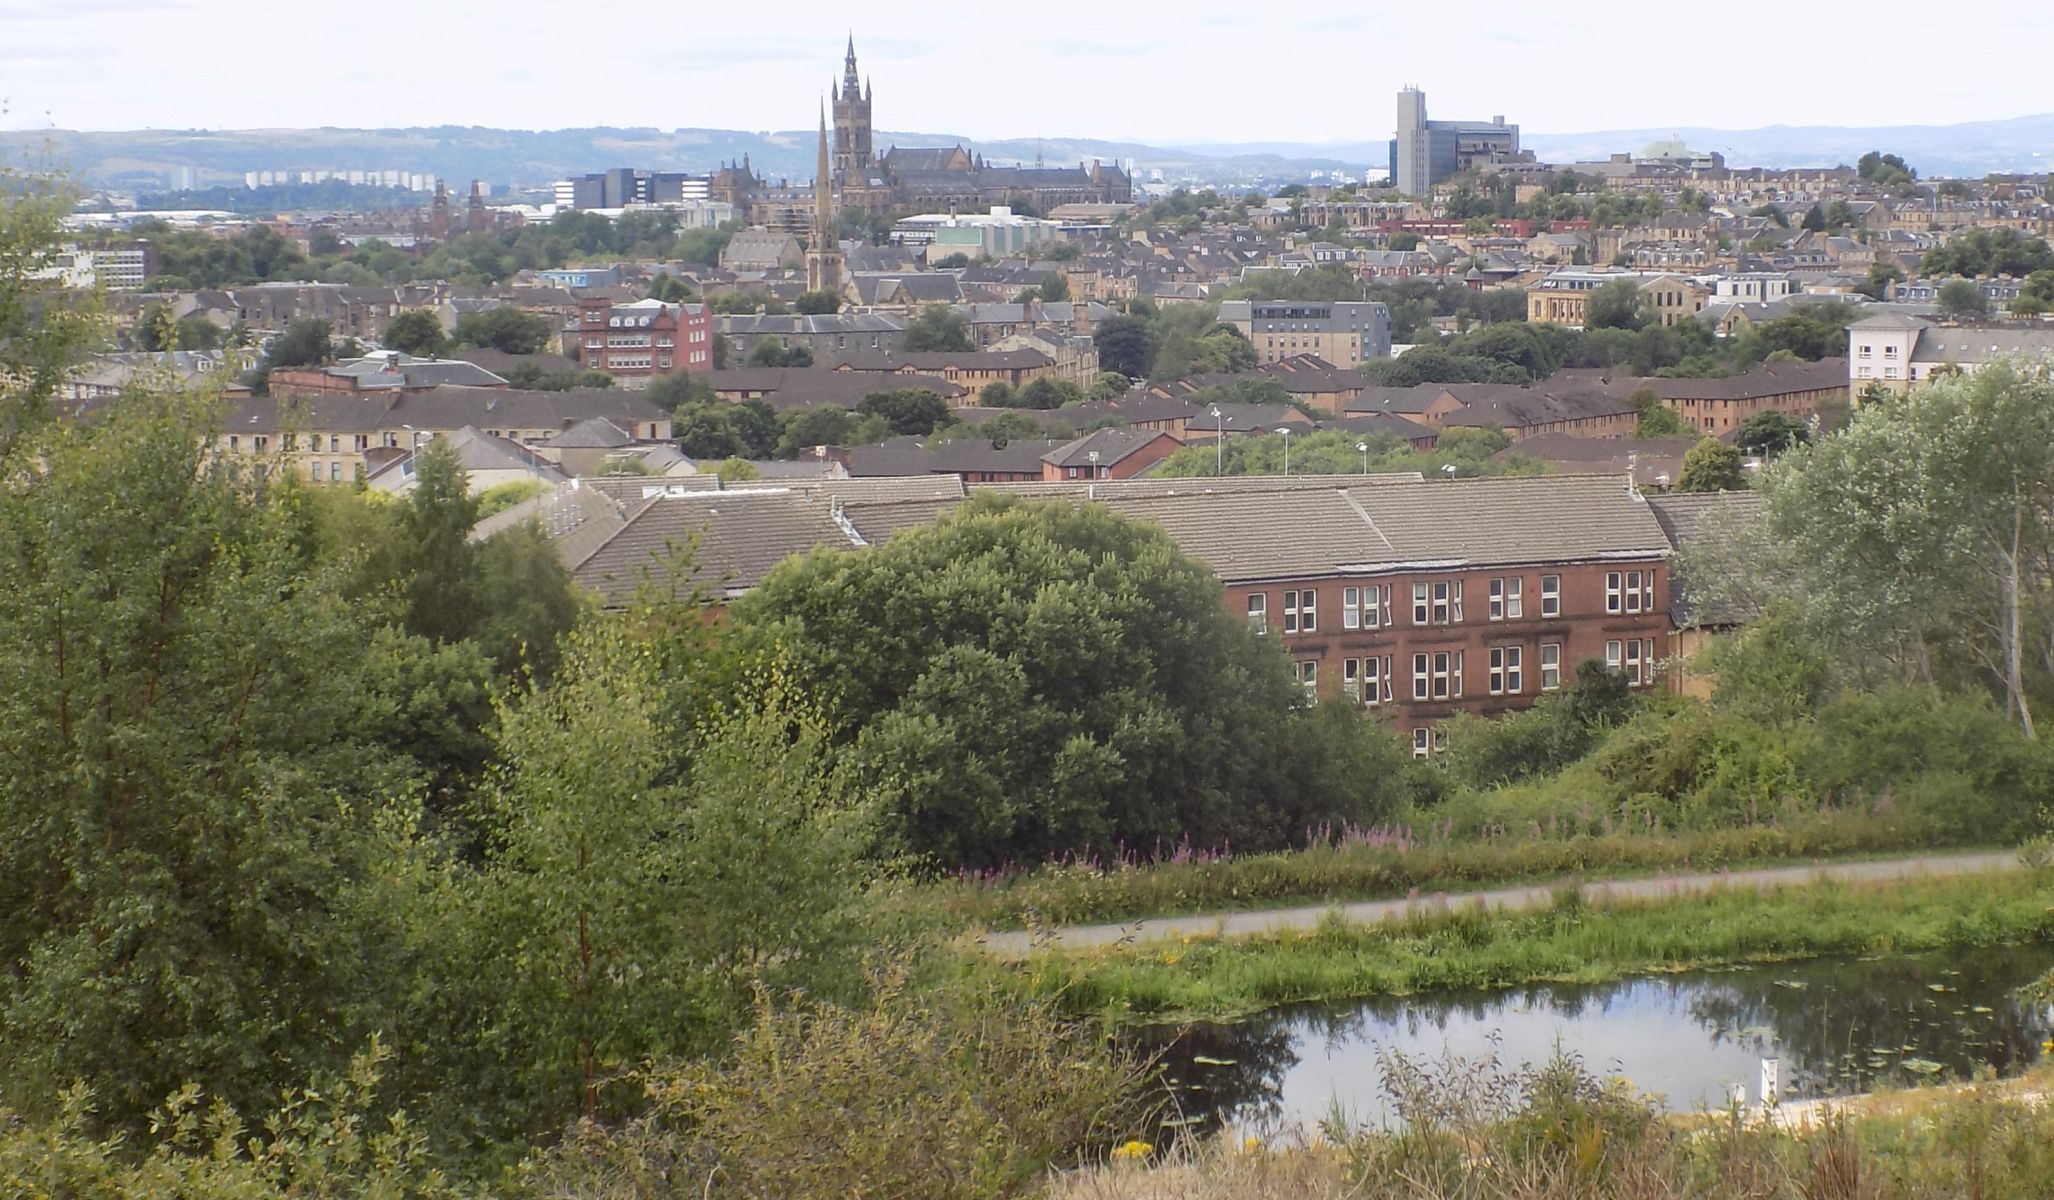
[{"x": 1030, "y": 678}]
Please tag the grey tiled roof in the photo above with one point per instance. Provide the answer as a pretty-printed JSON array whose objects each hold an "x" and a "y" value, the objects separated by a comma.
[
  {"x": 1480, "y": 522},
  {"x": 729, "y": 541}
]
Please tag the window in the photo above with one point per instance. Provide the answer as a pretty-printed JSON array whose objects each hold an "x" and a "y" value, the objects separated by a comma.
[
  {"x": 334, "y": 443},
  {"x": 1376, "y": 680},
  {"x": 1615, "y": 591},
  {"x": 260, "y": 443},
  {"x": 1258, "y": 611},
  {"x": 288, "y": 442},
  {"x": 1437, "y": 603},
  {"x": 234, "y": 442},
  {"x": 1507, "y": 678},
  {"x": 1639, "y": 658},
  {"x": 1639, "y": 590},
  {"x": 1437, "y": 676},
  {"x": 335, "y": 471},
  {"x": 363, "y": 441},
  {"x": 1308, "y": 675},
  {"x": 1420, "y": 676},
  {"x": 1551, "y": 666},
  {"x": 1508, "y": 598},
  {"x": 1290, "y": 612},
  {"x": 1308, "y": 620},
  {"x": 1422, "y": 742},
  {"x": 1376, "y": 603},
  {"x": 314, "y": 471},
  {"x": 1551, "y": 595},
  {"x": 1351, "y": 608}
]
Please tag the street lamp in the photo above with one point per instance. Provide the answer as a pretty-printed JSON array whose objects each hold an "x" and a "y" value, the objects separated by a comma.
[
  {"x": 1219, "y": 443},
  {"x": 1364, "y": 447},
  {"x": 1093, "y": 456},
  {"x": 1286, "y": 431}
]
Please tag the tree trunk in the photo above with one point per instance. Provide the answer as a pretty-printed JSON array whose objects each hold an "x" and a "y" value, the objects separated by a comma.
[{"x": 2014, "y": 666}]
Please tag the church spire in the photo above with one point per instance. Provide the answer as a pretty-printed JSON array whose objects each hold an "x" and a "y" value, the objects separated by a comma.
[
  {"x": 824, "y": 255},
  {"x": 851, "y": 83}
]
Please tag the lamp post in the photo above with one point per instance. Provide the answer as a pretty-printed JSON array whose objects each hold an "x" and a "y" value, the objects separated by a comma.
[
  {"x": 1286, "y": 431},
  {"x": 1219, "y": 443},
  {"x": 1093, "y": 456},
  {"x": 1364, "y": 447}
]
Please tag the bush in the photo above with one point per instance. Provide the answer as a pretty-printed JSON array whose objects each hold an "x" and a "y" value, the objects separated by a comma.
[{"x": 962, "y": 1093}]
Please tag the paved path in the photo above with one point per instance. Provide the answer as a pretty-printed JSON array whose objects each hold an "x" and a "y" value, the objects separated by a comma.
[{"x": 1275, "y": 920}]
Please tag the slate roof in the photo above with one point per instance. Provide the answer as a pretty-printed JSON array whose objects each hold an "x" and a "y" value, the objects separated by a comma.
[
  {"x": 1969, "y": 344},
  {"x": 941, "y": 360},
  {"x": 812, "y": 387},
  {"x": 1688, "y": 519},
  {"x": 1110, "y": 445},
  {"x": 731, "y": 540},
  {"x": 592, "y": 433},
  {"x": 1488, "y": 522},
  {"x": 442, "y": 408}
]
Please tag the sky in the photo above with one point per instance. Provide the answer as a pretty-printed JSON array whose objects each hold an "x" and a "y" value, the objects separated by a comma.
[{"x": 1195, "y": 72}]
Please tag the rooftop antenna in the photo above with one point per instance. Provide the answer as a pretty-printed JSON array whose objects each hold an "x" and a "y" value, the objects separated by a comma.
[{"x": 1037, "y": 154}]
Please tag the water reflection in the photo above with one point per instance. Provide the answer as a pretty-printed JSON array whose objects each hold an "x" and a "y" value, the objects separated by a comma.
[{"x": 1839, "y": 1026}]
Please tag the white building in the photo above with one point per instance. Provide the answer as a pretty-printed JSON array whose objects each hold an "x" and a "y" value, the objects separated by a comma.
[
  {"x": 994, "y": 234},
  {"x": 1897, "y": 351}
]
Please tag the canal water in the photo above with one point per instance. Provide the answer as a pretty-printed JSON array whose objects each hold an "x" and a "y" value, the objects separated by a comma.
[{"x": 1837, "y": 1026}]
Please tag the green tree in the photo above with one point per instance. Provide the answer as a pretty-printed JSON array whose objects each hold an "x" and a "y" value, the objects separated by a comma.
[
  {"x": 195, "y": 816},
  {"x": 1039, "y": 677},
  {"x": 736, "y": 470},
  {"x": 196, "y": 332},
  {"x": 1768, "y": 434},
  {"x": 907, "y": 410},
  {"x": 817, "y": 303},
  {"x": 938, "y": 327},
  {"x": 504, "y": 328},
  {"x": 417, "y": 332},
  {"x": 1876, "y": 285},
  {"x": 1712, "y": 466},
  {"x": 650, "y": 864},
  {"x": 1616, "y": 306},
  {"x": 1125, "y": 344},
  {"x": 306, "y": 342},
  {"x": 772, "y": 352},
  {"x": 804, "y": 429},
  {"x": 1055, "y": 286},
  {"x": 1962, "y": 298},
  {"x": 1402, "y": 240},
  {"x": 1048, "y": 392},
  {"x": 1815, "y": 218}
]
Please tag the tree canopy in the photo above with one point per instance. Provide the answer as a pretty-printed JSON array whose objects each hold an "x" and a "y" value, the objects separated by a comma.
[{"x": 1030, "y": 678}]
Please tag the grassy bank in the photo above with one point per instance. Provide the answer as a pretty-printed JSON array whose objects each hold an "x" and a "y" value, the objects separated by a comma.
[
  {"x": 1556, "y": 1133},
  {"x": 1392, "y": 862},
  {"x": 1574, "y": 941}
]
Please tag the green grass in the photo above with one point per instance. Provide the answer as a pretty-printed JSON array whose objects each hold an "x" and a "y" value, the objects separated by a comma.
[
  {"x": 1585, "y": 942},
  {"x": 1374, "y": 869}
]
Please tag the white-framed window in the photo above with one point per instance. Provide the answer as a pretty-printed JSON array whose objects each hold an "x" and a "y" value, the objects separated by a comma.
[
  {"x": 335, "y": 471},
  {"x": 1421, "y": 676},
  {"x": 1508, "y": 598},
  {"x": 1258, "y": 612},
  {"x": 1550, "y": 666},
  {"x": 1376, "y": 606},
  {"x": 1308, "y": 615},
  {"x": 1639, "y": 658},
  {"x": 1376, "y": 680},
  {"x": 1351, "y": 608},
  {"x": 1422, "y": 742},
  {"x": 1647, "y": 586},
  {"x": 1351, "y": 679},
  {"x": 1615, "y": 591},
  {"x": 1439, "y": 675},
  {"x": 1507, "y": 675},
  {"x": 1551, "y": 595},
  {"x": 314, "y": 471},
  {"x": 1308, "y": 675},
  {"x": 1421, "y": 604},
  {"x": 1291, "y": 612},
  {"x": 1636, "y": 590}
]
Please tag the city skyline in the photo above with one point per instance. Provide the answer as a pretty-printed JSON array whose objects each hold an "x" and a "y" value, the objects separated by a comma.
[{"x": 119, "y": 64}]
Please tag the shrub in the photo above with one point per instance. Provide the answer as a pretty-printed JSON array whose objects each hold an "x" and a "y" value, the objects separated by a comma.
[{"x": 958, "y": 1093}]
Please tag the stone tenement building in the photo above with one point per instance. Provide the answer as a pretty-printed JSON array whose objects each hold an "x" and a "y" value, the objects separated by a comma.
[{"x": 925, "y": 179}]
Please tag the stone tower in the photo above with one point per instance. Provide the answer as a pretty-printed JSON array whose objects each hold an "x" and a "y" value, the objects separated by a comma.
[
  {"x": 824, "y": 249},
  {"x": 852, "y": 151}
]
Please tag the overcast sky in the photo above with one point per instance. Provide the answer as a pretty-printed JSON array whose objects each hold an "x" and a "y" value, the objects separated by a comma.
[{"x": 1193, "y": 71}]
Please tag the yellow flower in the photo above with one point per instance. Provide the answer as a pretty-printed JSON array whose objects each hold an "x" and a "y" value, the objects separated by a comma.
[
  {"x": 1132, "y": 1152},
  {"x": 1251, "y": 1145},
  {"x": 1170, "y": 960}
]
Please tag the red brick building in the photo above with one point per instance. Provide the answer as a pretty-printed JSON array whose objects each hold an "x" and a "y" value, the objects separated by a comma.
[
  {"x": 1108, "y": 454},
  {"x": 635, "y": 342},
  {"x": 1425, "y": 600}
]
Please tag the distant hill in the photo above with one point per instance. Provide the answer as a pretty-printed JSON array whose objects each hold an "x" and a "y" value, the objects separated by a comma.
[{"x": 153, "y": 159}]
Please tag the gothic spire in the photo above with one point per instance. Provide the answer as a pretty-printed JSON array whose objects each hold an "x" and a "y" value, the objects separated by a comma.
[{"x": 851, "y": 83}]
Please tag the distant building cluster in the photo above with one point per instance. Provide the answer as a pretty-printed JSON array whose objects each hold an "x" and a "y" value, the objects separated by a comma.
[
  {"x": 413, "y": 181},
  {"x": 1425, "y": 152}
]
